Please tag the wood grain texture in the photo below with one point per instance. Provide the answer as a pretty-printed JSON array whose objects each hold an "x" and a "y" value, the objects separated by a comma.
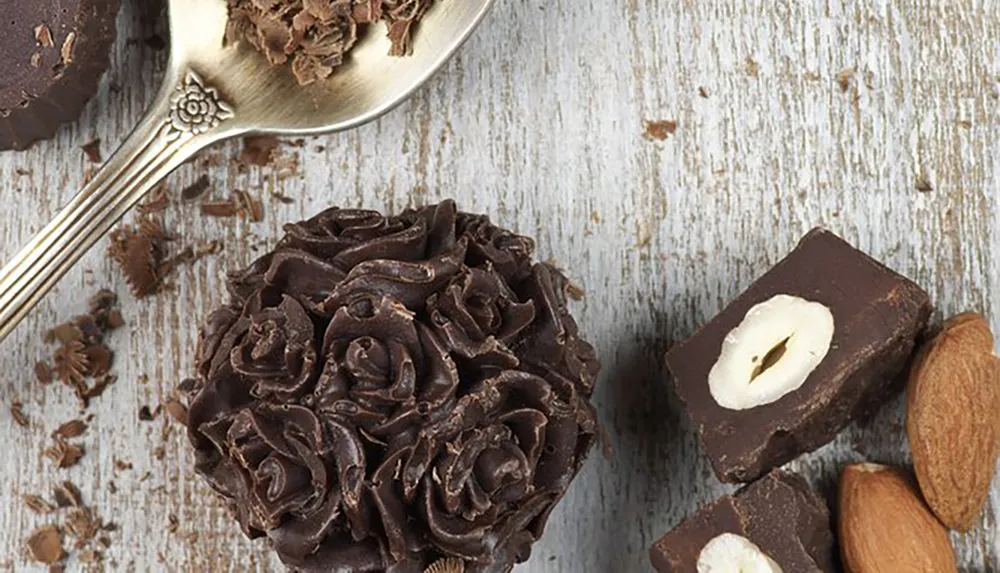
[{"x": 789, "y": 115}]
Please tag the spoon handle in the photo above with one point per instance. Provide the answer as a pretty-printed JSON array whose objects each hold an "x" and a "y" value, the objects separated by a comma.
[{"x": 184, "y": 119}]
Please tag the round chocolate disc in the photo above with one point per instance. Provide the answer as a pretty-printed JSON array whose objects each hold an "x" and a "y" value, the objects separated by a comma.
[{"x": 54, "y": 53}]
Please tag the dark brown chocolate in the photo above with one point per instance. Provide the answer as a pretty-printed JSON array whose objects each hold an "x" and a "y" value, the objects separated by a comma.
[
  {"x": 316, "y": 35},
  {"x": 385, "y": 392},
  {"x": 54, "y": 54},
  {"x": 878, "y": 316},
  {"x": 779, "y": 513}
]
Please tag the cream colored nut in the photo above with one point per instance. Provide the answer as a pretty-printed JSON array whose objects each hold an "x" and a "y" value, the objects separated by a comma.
[
  {"x": 730, "y": 552},
  {"x": 771, "y": 353}
]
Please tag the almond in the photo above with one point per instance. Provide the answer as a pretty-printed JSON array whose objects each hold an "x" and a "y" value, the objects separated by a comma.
[
  {"x": 953, "y": 402},
  {"x": 885, "y": 526}
]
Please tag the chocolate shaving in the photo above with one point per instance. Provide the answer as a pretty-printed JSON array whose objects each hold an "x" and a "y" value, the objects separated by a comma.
[
  {"x": 45, "y": 545},
  {"x": 145, "y": 415},
  {"x": 17, "y": 413},
  {"x": 159, "y": 200},
  {"x": 63, "y": 453},
  {"x": 315, "y": 35},
  {"x": 177, "y": 411},
  {"x": 196, "y": 190},
  {"x": 36, "y": 504},
  {"x": 67, "y": 494},
  {"x": 71, "y": 429},
  {"x": 240, "y": 203},
  {"x": 93, "y": 151},
  {"x": 660, "y": 130},
  {"x": 259, "y": 150},
  {"x": 43, "y": 373},
  {"x": 139, "y": 252}
]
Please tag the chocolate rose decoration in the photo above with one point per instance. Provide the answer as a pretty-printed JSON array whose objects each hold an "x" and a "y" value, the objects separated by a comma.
[{"x": 385, "y": 392}]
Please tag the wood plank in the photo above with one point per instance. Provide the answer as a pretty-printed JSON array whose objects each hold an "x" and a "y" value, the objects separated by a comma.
[{"x": 788, "y": 116}]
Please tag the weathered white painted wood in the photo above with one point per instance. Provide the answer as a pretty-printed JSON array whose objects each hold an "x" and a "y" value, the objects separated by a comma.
[{"x": 539, "y": 122}]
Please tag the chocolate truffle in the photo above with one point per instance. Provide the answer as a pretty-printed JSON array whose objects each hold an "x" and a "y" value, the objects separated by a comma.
[
  {"x": 54, "y": 53},
  {"x": 777, "y": 520},
  {"x": 815, "y": 343},
  {"x": 382, "y": 393},
  {"x": 315, "y": 35}
]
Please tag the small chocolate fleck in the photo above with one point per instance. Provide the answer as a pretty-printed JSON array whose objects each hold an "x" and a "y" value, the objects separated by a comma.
[
  {"x": 71, "y": 429},
  {"x": 63, "y": 453},
  {"x": 703, "y": 92},
  {"x": 197, "y": 189},
  {"x": 177, "y": 411},
  {"x": 844, "y": 79},
  {"x": 93, "y": 151},
  {"x": 924, "y": 186},
  {"x": 17, "y": 413},
  {"x": 45, "y": 545},
  {"x": 145, "y": 414},
  {"x": 660, "y": 130},
  {"x": 172, "y": 523},
  {"x": 37, "y": 504},
  {"x": 67, "y": 494},
  {"x": 43, "y": 373}
]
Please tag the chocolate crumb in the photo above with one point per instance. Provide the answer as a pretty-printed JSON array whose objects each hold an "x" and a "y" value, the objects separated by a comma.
[
  {"x": 196, "y": 190},
  {"x": 158, "y": 452},
  {"x": 159, "y": 200},
  {"x": 219, "y": 209},
  {"x": 660, "y": 130},
  {"x": 43, "y": 373},
  {"x": 259, "y": 150},
  {"x": 93, "y": 151},
  {"x": 82, "y": 524},
  {"x": 63, "y": 453},
  {"x": 67, "y": 494},
  {"x": 122, "y": 465},
  {"x": 703, "y": 92},
  {"x": 145, "y": 415},
  {"x": 45, "y": 545},
  {"x": 37, "y": 504},
  {"x": 43, "y": 36},
  {"x": 17, "y": 413},
  {"x": 924, "y": 186},
  {"x": 71, "y": 429},
  {"x": 172, "y": 523},
  {"x": 177, "y": 411},
  {"x": 112, "y": 487},
  {"x": 240, "y": 203},
  {"x": 844, "y": 79}
]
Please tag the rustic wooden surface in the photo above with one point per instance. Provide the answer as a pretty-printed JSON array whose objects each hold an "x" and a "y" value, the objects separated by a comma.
[{"x": 788, "y": 116}]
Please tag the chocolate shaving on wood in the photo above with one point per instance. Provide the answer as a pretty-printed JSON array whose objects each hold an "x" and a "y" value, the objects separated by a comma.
[
  {"x": 67, "y": 494},
  {"x": 71, "y": 429},
  {"x": 159, "y": 200},
  {"x": 259, "y": 150},
  {"x": 660, "y": 130},
  {"x": 37, "y": 504},
  {"x": 43, "y": 373},
  {"x": 145, "y": 415},
  {"x": 82, "y": 524},
  {"x": 139, "y": 252},
  {"x": 240, "y": 203},
  {"x": 196, "y": 190},
  {"x": 17, "y": 413},
  {"x": 63, "y": 453},
  {"x": 177, "y": 411},
  {"x": 45, "y": 545},
  {"x": 93, "y": 151}
]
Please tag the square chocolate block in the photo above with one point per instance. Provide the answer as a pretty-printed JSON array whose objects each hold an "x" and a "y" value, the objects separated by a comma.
[
  {"x": 777, "y": 520},
  {"x": 815, "y": 343}
]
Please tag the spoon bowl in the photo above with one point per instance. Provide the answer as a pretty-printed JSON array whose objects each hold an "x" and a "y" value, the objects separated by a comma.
[{"x": 213, "y": 91}]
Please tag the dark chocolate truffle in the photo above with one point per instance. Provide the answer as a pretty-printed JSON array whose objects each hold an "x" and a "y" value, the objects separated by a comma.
[
  {"x": 315, "y": 35},
  {"x": 385, "y": 392},
  {"x": 54, "y": 53}
]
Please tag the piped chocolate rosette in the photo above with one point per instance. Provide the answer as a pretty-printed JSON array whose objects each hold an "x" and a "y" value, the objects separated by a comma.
[{"x": 382, "y": 393}]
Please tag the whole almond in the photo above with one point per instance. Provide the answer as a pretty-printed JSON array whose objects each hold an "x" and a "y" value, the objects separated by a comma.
[
  {"x": 885, "y": 526},
  {"x": 953, "y": 402}
]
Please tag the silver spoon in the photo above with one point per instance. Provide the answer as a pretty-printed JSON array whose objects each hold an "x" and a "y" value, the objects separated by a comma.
[{"x": 213, "y": 92}]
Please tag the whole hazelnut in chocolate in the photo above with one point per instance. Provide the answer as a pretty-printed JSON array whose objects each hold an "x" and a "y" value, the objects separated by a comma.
[{"x": 382, "y": 393}]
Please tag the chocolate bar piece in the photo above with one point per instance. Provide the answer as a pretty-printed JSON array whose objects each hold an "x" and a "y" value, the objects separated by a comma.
[
  {"x": 815, "y": 343},
  {"x": 777, "y": 522}
]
